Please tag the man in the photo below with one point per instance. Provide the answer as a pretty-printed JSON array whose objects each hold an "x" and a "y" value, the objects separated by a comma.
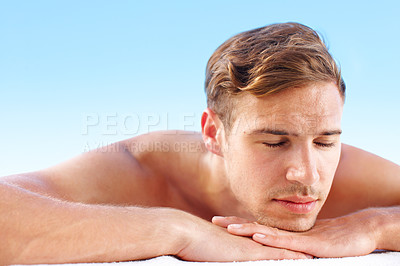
[{"x": 267, "y": 157}]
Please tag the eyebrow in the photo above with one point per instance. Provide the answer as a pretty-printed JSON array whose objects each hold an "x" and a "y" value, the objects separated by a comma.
[{"x": 286, "y": 133}]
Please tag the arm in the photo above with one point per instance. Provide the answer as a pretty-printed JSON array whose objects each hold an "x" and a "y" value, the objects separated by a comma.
[
  {"x": 389, "y": 229},
  {"x": 40, "y": 229},
  {"x": 77, "y": 212}
]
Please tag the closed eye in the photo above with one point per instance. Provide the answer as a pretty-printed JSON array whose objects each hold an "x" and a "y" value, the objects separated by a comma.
[
  {"x": 274, "y": 145},
  {"x": 280, "y": 144},
  {"x": 325, "y": 145}
]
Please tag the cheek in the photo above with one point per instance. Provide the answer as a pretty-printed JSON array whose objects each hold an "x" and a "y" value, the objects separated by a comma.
[
  {"x": 250, "y": 173},
  {"x": 328, "y": 165},
  {"x": 334, "y": 158}
]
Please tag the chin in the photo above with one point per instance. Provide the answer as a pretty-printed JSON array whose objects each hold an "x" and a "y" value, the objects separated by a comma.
[{"x": 294, "y": 225}]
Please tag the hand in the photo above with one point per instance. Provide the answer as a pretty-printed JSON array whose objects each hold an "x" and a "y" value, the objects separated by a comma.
[
  {"x": 351, "y": 235},
  {"x": 208, "y": 242}
]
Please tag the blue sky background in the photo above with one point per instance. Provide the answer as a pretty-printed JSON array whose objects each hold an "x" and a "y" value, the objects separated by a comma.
[{"x": 113, "y": 64}]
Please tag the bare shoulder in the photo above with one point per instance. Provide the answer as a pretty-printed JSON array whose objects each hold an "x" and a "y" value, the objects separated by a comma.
[
  {"x": 362, "y": 180},
  {"x": 135, "y": 171},
  {"x": 177, "y": 161},
  {"x": 165, "y": 151}
]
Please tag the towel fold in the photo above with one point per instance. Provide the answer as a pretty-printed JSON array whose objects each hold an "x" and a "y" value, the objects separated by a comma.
[{"x": 383, "y": 258}]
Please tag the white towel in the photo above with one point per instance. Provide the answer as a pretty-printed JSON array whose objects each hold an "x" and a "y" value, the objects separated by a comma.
[{"x": 374, "y": 259}]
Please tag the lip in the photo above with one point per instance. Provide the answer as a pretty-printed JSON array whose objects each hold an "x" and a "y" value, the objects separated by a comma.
[
  {"x": 296, "y": 204},
  {"x": 298, "y": 199}
]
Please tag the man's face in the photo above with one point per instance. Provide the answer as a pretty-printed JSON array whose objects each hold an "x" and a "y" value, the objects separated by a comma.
[{"x": 282, "y": 153}]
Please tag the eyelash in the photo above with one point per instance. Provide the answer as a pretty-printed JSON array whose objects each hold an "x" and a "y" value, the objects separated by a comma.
[
  {"x": 280, "y": 144},
  {"x": 275, "y": 145},
  {"x": 325, "y": 145}
]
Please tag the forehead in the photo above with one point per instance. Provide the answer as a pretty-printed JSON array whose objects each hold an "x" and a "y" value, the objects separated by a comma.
[{"x": 301, "y": 110}]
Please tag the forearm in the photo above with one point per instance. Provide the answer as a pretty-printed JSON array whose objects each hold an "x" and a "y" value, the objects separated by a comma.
[
  {"x": 39, "y": 229},
  {"x": 388, "y": 228}
]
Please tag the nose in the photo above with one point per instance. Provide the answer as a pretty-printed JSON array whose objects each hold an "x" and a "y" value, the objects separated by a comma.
[{"x": 302, "y": 167}]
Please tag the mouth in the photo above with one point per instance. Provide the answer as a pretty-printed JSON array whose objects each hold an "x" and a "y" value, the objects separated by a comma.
[{"x": 299, "y": 205}]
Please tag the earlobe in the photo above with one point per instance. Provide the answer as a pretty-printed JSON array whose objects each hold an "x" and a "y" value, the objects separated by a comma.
[{"x": 211, "y": 128}]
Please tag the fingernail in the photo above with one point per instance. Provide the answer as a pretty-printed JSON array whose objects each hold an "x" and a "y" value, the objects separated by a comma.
[
  {"x": 309, "y": 256},
  {"x": 258, "y": 235},
  {"x": 218, "y": 217},
  {"x": 235, "y": 226}
]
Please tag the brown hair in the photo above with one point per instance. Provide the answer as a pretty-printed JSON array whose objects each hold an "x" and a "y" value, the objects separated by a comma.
[{"x": 267, "y": 60}]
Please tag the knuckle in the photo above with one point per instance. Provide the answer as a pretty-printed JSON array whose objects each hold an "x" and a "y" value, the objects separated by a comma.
[{"x": 274, "y": 231}]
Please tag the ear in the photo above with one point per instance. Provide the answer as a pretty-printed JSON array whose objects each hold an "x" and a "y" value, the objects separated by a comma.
[{"x": 212, "y": 130}]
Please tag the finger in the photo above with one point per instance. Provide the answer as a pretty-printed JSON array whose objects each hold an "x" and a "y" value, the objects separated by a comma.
[
  {"x": 291, "y": 242},
  {"x": 278, "y": 249},
  {"x": 224, "y": 221},
  {"x": 248, "y": 229},
  {"x": 281, "y": 254}
]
